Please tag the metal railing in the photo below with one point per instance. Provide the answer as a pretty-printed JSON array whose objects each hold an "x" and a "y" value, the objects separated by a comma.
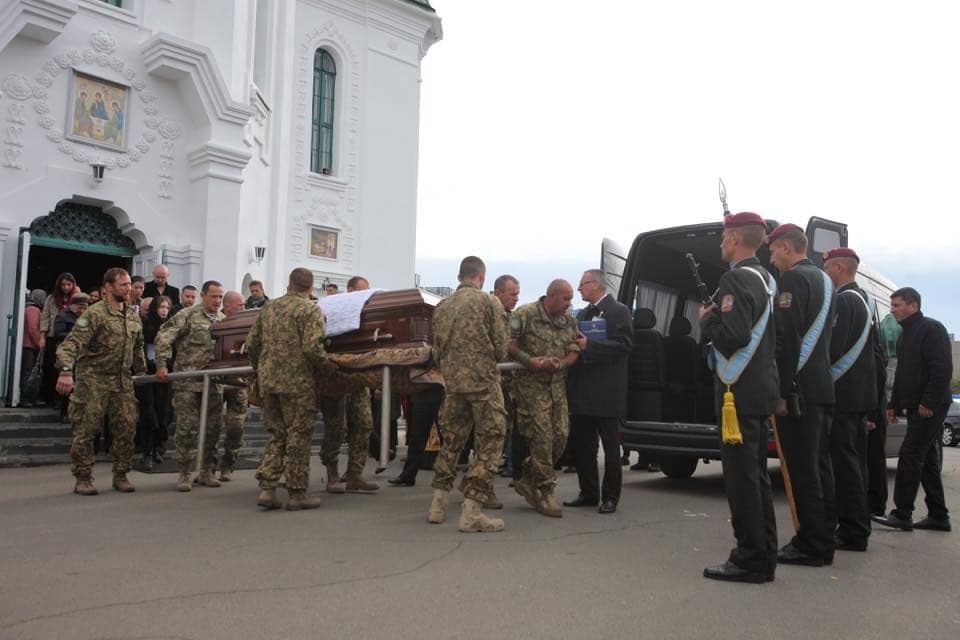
[{"x": 207, "y": 374}]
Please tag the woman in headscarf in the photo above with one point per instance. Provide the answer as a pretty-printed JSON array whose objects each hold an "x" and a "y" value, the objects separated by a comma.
[
  {"x": 33, "y": 344},
  {"x": 56, "y": 302}
]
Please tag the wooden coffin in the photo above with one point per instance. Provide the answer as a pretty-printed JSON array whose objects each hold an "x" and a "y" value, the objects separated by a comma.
[{"x": 401, "y": 319}]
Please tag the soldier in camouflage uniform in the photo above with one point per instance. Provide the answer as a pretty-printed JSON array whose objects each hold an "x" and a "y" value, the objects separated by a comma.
[
  {"x": 104, "y": 346},
  {"x": 235, "y": 399},
  {"x": 189, "y": 333},
  {"x": 287, "y": 354},
  {"x": 546, "y": 340},
  {"x": 469, "y": 340},
  {"x": 352, "y": 408}
]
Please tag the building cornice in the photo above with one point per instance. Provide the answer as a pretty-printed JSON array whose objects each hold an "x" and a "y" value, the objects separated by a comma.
[
  {"x": 218, "y": 161},
  {"x": 40, "y": 20},
  {"x": 172, "y": 58}
]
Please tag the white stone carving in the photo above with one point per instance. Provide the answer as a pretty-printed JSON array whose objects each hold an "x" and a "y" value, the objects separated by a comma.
[
  {"x": 103, "y": 42},
  {"x": 151, "y": 123},
  {"x": 43, "y": 79},
  {"x": 51, "y": 68},
  {"x": 17, "y": 87},
  {"x": 149, "y": 136},
  {"x": 41, "y": 107},
  {"x": 170, "y": 129},
  {"x": 55, "y": 137},
  {"x": 151, "y": 110},
  {"x": 15, "y": 113},
  {"x": 12, "y": 158},
  {"x": 14, "y": 136},
  {"x": 46, "y": 122}
]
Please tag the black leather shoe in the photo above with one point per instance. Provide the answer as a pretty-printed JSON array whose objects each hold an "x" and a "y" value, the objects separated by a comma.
[
  {"x": 401, "y": 481},
  {"x": 730, "y": 572},
  {"x": 894, "y": 520},
  {"x": 933, "y": 524},
  {"x": 608, "y": 506},
  {"x": 789, "y": 554},
  {"x": 158, "y": 457},
  {"x": 581, "y": 501}
]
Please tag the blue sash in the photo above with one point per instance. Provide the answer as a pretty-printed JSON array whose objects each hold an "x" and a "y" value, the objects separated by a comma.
[
  {"x": 846, "y": 361},
  {"x": 730, "y": 369},
  {"x": 816, "y": 329}
]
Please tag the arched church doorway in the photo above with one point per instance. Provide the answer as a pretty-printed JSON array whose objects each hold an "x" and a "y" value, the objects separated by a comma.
[{"x": 77, "y": 238}]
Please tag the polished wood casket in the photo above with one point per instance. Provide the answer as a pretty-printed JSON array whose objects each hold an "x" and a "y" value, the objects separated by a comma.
[{"x": 400, "y": 320}]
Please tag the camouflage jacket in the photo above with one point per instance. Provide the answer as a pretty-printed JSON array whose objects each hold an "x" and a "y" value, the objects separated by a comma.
[
  {"x": 469, "y": 339},
  {"x": 189, "y": 333},
  {"x": 286, "y": 346},
  {"x": 538, "y": 334},
  {"x": 105, "y": 343}
]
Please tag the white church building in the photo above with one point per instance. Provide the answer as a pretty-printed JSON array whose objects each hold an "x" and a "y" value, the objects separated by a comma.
[{"x": 228, "y": 139}]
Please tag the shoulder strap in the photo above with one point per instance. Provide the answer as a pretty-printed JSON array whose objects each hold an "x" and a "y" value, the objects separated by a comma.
[
  {"x": 730, "y": 369},
  {"x": 816, "y": 329},
  {"x": 841, "y": 366}
]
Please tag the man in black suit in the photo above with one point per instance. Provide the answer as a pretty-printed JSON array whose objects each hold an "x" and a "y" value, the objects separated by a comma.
[
  {"x": 597, "y": 395},
  {"x": 160, "y": 287}
]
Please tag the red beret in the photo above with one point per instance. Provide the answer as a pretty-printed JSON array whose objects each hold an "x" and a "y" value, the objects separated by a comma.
[
  {"x": 782, "y": 230},
  {"x": 742, "y": 219},
  {"x": 841, "y": 252}
]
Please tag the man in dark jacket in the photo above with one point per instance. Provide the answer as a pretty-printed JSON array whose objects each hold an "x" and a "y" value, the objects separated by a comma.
[
  {"x": 852, "y": 349},
  {"x": 741, "y": 328},
  {"x": 597, "y": 395},
  {"x": 805, "y": 312},
  {"x": 160, "y": 287},
  {"x": 921, "y": 390}
]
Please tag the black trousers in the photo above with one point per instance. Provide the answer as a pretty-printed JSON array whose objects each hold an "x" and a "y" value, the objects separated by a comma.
[
  {"x": 921, "y": 456},
  {"x": 750, "y": 496},
  {"x": 806, "y": 448},
  {"x": 846, "y": 509},
  {"x": 585, "y": 431},
  {"x": 877, "y": 467},
  {"x": 424, "y": 409}
]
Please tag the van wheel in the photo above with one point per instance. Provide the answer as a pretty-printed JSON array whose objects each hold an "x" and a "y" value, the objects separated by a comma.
[{"x": 678, "y": 467}]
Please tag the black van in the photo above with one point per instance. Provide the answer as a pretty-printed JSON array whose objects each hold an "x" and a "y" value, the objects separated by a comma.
[{"x": 671, "y": 417}]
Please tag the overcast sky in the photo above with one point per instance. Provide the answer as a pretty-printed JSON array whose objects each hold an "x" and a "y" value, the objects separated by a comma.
[{"x": 549, "y": 124}]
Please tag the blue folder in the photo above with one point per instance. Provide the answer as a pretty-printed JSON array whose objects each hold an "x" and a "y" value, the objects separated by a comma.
[{"x": 594, "y": 329}]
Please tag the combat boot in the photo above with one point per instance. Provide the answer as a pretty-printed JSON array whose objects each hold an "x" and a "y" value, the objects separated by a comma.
[
  {"x": 206, "y": 479},
  {"x": 472, "y": 520},
  {"x": 183, "y": 482},
  {"x": 226, "y": 475},
  {"x": 268, "y": 499},
  {"x": 334, "y": 484},
  {"x": 300, "y": 500},
  {"x": 492, "y": 502},
  {"x": 356, "y": 484},
  {"x": 530, "y": 493},
  {"x": 438, "y": 508},
  {"x": 121, "y": 484},
  {"x": 548, "y": 505},
  {"x": 84, "y": 487}
]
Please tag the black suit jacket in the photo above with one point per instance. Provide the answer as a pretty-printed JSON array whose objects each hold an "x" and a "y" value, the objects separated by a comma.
[
  {"x": 854, "y": 390},
  {"x": 150, "y": 291},
  {"x": 597, "y": 383}
]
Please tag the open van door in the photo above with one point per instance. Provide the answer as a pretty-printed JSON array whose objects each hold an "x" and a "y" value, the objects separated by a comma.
[
  {"x": 823, "y": 235},
  {"x": 613, "y": 261}
]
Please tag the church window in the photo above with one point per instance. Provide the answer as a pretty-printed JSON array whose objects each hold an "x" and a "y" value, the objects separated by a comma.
[
  {"x": 114, "y": 3},
  {"x": 324, "y": 82}
]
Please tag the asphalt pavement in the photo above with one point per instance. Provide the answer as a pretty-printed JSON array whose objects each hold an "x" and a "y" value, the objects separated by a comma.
[{"x": 158, "y": 564}]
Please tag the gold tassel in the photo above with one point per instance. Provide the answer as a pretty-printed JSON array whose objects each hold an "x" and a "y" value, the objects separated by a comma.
[{"x": 729, "y": 425}]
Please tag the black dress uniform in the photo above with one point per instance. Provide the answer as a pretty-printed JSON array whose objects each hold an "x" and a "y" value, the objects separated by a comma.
[
  {"x": 743, "y": 299},
  {"x": 805, "y": 438},
  {"x": 856, "y": 396}
]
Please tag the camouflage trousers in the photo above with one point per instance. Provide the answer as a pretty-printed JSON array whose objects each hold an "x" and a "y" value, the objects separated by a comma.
[
  {"x": 234, "y": 417},
  {"x": 353, "y": 409},
  {"x": 186, "y": 405},
  {"x": 544, "y": 425},
  {"x": 484, "y": 413},
  {"x": 88, "y": 406},
  {"x": 289, "y": 420}
]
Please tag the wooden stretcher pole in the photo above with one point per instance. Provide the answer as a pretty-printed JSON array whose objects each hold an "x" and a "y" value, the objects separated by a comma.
[
  {"x": 385, "y": 421},
  {"x": 787, "y": 485}
]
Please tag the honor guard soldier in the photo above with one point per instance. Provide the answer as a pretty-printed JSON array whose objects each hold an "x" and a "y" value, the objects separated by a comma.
[
  {"x": 805, "y": 315},
  {"x": 741, "y": 328},
  {"x": 287, "y": 355},
  {"x": 469, "y": 340},
  {"x": 105, "y": 345},
  {"x": 853, "y": 369},
  {"x": 189, "y": 334}
]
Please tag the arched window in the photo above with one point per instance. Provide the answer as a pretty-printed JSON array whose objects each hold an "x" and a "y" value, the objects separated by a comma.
[{"x": 324, "y": 81}]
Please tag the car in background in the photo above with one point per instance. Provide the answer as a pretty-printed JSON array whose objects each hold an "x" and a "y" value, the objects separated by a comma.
[{"x": 951, "y": 425}]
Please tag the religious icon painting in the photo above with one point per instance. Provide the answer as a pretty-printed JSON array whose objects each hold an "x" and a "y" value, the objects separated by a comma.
[
  {"x": 324, "y": 243},
  {"x": 97, "y": 111}
]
